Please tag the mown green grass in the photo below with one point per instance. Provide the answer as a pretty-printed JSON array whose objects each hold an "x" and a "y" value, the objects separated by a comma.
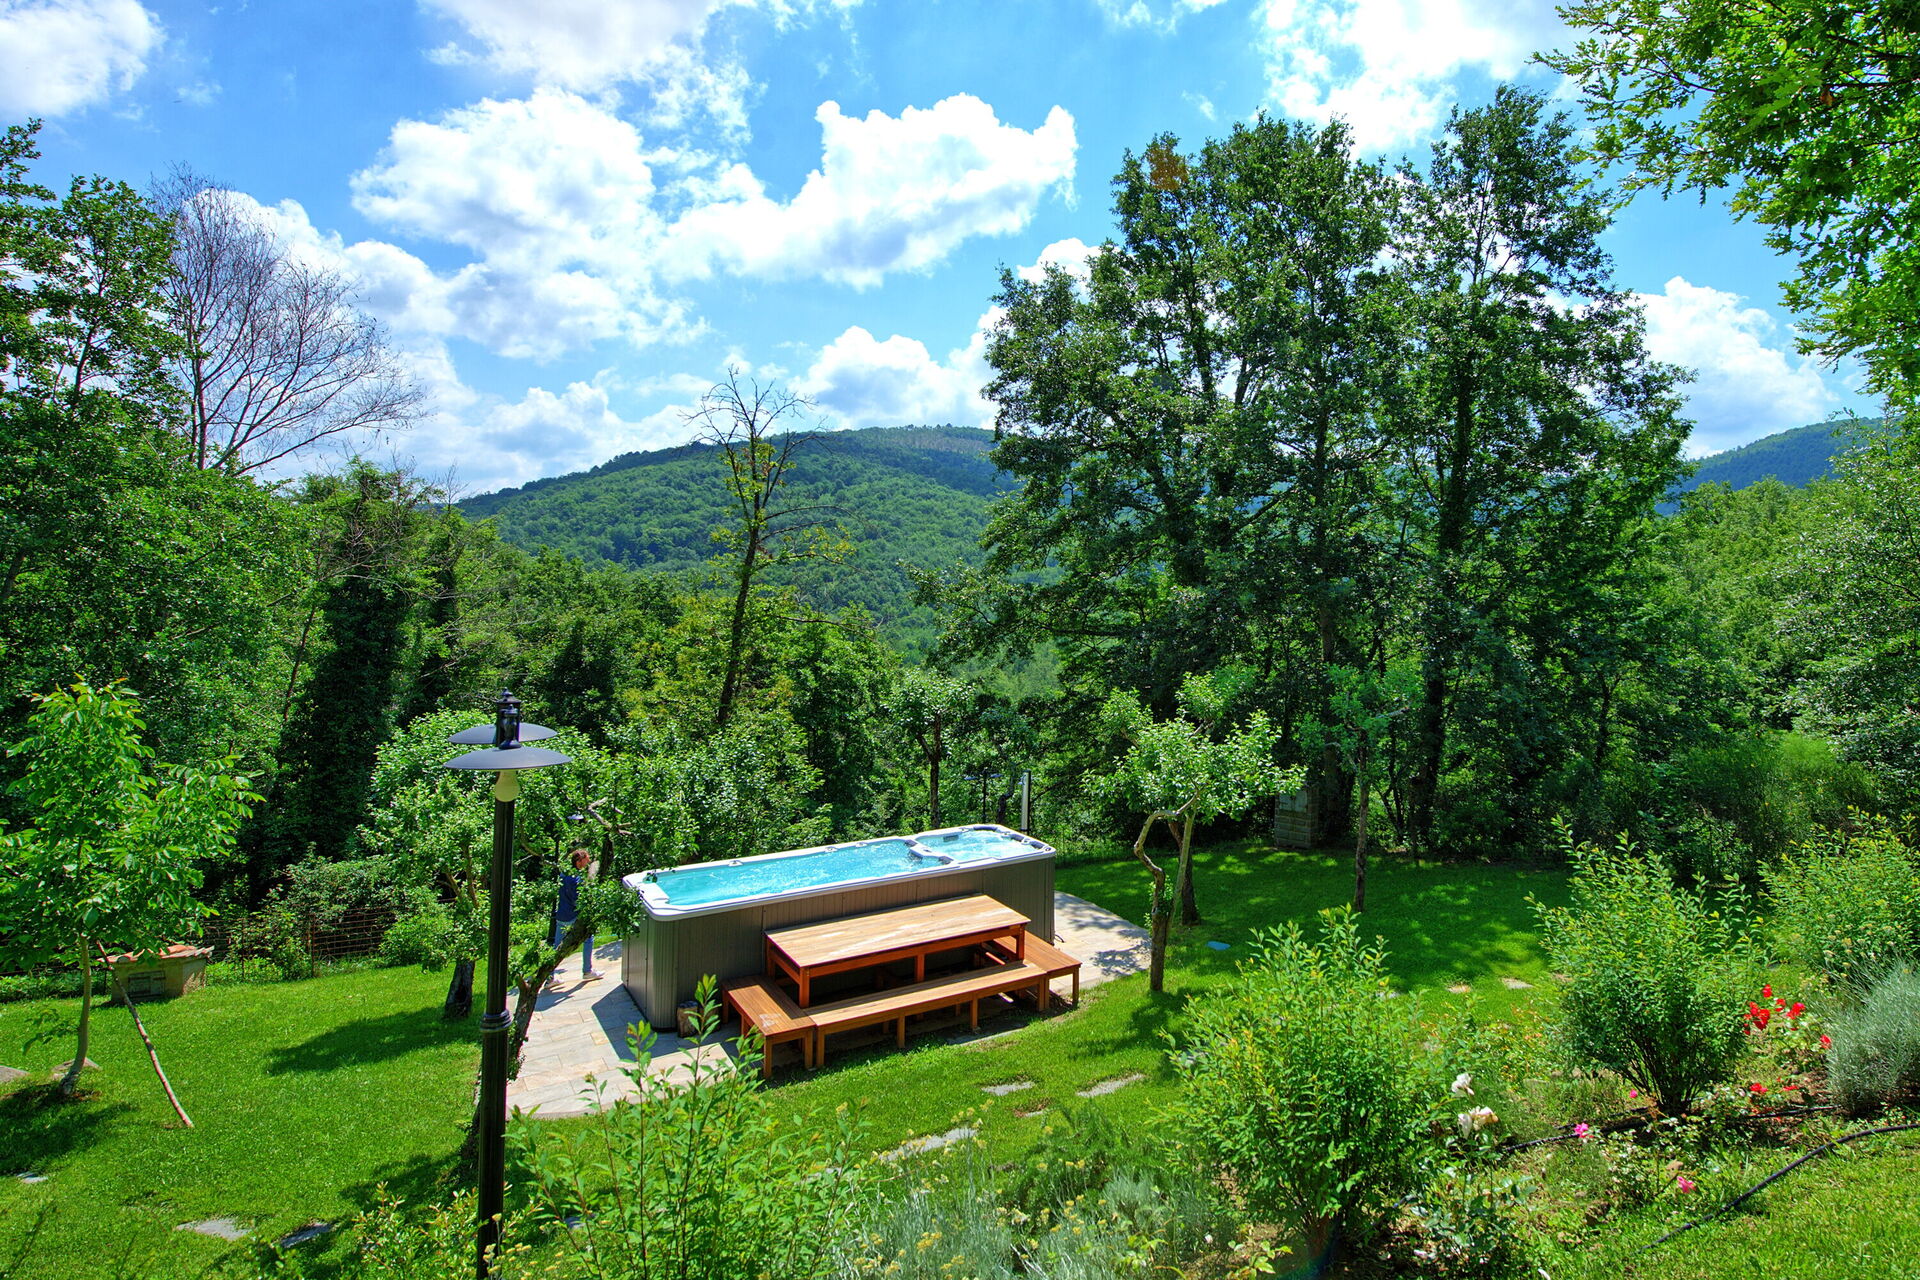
[
  {"x": 1442, "y": 926},
  {"x": 304, "y": 1095}
]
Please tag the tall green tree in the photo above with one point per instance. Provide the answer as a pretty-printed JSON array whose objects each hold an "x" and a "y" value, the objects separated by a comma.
[
  {"x": 1809, "y": 111},
  {"x": 109, "y": 849},
  {"x": 1532, "y": 422}
]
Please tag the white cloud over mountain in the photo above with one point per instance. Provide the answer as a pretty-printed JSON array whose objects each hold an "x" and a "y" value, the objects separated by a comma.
[
  {"x": 1750, "y": 382},
  {"x": 58, "y": 56}
]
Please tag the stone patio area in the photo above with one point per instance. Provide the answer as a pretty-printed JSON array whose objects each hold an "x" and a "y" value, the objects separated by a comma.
[{"x": 580, "y": 1027}]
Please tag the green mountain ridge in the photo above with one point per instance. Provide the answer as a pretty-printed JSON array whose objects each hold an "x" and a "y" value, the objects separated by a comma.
[
  {"x": 1796, "y": 457},
  {"x": 914, "y": 494}
]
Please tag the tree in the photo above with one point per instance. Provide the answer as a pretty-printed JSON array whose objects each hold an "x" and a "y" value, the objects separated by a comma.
[
  {"x": 1175, "y": 772},
  {"x": 931, "y": 709},
  {"x": 1809, "y": 110},
  {"x": 1364, "y": 708},
  {"x": 110, "y": 850},
  {"x": 740, "y": 421},
  {"x": 118, "y": 560},
  {"x": 277, "y": 357},
  {"x": 1531, "y": 424}
]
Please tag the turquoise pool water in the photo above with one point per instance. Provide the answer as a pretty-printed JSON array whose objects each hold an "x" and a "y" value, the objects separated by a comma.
[{"x": 712, "y": 882}]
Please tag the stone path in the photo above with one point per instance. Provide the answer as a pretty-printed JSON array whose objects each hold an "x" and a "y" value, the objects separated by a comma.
[{"x": 579, "y": 1028}]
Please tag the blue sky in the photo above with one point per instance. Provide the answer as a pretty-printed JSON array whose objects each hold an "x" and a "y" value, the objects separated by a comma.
[{"x": 574, "y": 214}]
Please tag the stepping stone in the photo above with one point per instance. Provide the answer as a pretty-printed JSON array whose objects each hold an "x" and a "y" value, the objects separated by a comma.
[
  {"x": 311, "y": 1231},
  {"x": 9, "y": 1074},
  {"x": 1461, "y": 988},
  {"x": 1220, "y": 946},
  {"x": 1028, "y": 1115},
  {"x": 219, "y": 1228},
  {"x": 63, "y": 1068},
  {"x": 1105, "y": 1087},
  {"x": 1516, "y": 984},
  {"x": 931, "y": 1142},
  {"x": 31, "y": 1177},
  {"x": 1002, "y": 1090}
]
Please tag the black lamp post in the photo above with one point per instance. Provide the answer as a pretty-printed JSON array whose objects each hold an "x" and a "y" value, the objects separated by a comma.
[{"x": 506, "y": 754}]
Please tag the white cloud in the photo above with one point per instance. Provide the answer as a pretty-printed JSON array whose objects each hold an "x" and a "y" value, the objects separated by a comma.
[
  {"x": 1071, "y": 254},
  {"x": 57, "y": 56},
  {"x": 892, "y": 193},
  {"x": 1387, "y": 66},
  {"x": 1749, "y": 383},
  {"x": 861, "y": 381},
  {"x": 1162, "y": 15},
  {"x": 575, "y": 44}
]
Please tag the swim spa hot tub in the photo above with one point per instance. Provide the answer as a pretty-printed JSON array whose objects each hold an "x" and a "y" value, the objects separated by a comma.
[{"x": 711, "y": 917}]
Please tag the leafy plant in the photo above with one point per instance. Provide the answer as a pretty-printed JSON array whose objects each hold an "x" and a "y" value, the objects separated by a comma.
[
  {"x": 697, "y": 1177},
  {"x": 1846, "y": 904},
  {"x": 1656, "y": 975},
  {"x": 1302, "y": 1082},
  {"x": 1875, "y": 1051}
]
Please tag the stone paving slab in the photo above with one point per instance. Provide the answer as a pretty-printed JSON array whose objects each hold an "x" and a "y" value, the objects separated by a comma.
[{"x": 579, "y": 1026}]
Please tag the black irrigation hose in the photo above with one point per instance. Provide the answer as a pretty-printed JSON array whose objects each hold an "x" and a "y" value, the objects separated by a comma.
[
  {"x": 1768, "y": 1181},
  {"x": 1634, "y": 1119}
]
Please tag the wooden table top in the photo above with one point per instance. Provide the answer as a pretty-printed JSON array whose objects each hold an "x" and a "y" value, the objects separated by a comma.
[{"x": 901, "y": 931}]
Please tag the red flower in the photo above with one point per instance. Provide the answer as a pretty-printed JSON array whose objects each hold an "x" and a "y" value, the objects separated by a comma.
[
  {"x": 1756, "y": 1089},
  {"x": 1826, "y": 1042},
  {"x": 1766, "y": 992},
  {"x": 1793, "y": 1014},
  {"x": 1757, "y": 1015}
]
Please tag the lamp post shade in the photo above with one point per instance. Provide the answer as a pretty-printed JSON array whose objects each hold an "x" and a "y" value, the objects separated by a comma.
[
  {"x": 506, "y": 740},
  {"x": 481, "y": 735}
]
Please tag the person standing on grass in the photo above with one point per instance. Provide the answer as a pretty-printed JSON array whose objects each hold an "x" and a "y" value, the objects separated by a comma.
[{"x": 567, "y": 909}]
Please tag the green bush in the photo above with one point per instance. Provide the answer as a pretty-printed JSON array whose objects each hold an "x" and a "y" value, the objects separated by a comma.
[
  {"x": 1876, "y": 1043},
  {"x": 1302, "y": 1083},
  {"x": 696, "y": 1178},
  {"x": 1848, "y": 904},
  {"x": 1656, "y": 977},
  {"x": 1758, "y": 795}
]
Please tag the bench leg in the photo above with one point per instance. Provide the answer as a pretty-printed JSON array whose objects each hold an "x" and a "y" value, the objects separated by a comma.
[
  {"x": 900, "y": 1033},
  {"x": 973, "y": 1010},
  {"x": 1076, "y": 988}
]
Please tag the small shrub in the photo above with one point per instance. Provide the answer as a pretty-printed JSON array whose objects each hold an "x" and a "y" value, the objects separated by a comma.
[
  {"x": 1472, "y": 1226},
  {"x": 1848, "y": 904},
  {"x": 696, "y": 1178},
  {"x": 1876, "y": 1044},
  {"x": 430, "y": 938},
  {"x": 1761, "y": 793},
  {"x": 1302, "y": 1085},
  {"x": 1656, "y": 976}
]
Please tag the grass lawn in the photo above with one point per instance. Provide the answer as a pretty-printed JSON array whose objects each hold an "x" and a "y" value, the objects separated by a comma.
[
  {"x": 1443, "y": 925},
  {"x": 303, "y": 1095}
]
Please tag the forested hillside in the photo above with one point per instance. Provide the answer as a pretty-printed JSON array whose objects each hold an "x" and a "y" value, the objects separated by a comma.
[
  {"x": 917, "y": 495},
  {"x": 1797, "y": 457}
]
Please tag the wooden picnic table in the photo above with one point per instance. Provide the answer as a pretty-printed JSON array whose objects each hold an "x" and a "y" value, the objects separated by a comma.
[{"x": 810, "y": 951}]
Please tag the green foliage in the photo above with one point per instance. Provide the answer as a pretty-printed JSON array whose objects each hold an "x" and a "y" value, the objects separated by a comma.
[
  {"x": 1847, "y": 904},
  {"x": 1876, "y": 1043},
  {"x": 1795, "y": 458},
  {"x": 1657, "y": 976},
  {"x": 696, "y": 1177},
  {"x": 1745, "y": 800},
  {"x": 1808, "y": 109},
  {"x": 1302, "y": 1082}
]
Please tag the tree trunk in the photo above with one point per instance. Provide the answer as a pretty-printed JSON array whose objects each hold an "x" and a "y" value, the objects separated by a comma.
[
  {"x": 459, "y": 1003},
  {"x": 153, "y": 1054},
  {"x": 1360, "y": 840},
  {"x": 737, "y": 638},
  {"x": 71, "y": 1080},
  {"x": 1159, "y": 916},
  {"x": 1189, "y": 904},
  {"x": 933, "y": 777}
]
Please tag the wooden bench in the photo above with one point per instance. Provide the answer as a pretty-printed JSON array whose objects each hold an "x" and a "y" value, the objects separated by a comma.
[
  {"x": 1056, "y": 962},
  {"x": 901, "y": 1003},
  {"x": 770, "y": 1011}
]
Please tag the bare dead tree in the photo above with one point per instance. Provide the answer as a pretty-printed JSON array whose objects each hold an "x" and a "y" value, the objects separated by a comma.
[
  {"x": 741, "y": 421},
  {"x": 278, "y": 355}
]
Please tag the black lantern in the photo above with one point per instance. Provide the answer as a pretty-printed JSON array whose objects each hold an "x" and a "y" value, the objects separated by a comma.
[{"x": 507, "y": 754}]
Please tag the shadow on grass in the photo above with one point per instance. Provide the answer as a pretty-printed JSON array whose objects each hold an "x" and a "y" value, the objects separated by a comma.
[
  {"x": 370, "y": 1040},
  {"x": 42, "y": 1127}
]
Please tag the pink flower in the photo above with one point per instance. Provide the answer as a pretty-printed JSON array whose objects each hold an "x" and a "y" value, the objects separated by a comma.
[
  {"x": 1687, "y": 1184},
  {"x": 1581, "y": 1130},
  {"x": 1632, "y": 1093}
]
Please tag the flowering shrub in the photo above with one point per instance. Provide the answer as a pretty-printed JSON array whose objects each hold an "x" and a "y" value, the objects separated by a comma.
[
  {"x": 1656, "y": 977},
  {"x": 1302, "y": 1082}
]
